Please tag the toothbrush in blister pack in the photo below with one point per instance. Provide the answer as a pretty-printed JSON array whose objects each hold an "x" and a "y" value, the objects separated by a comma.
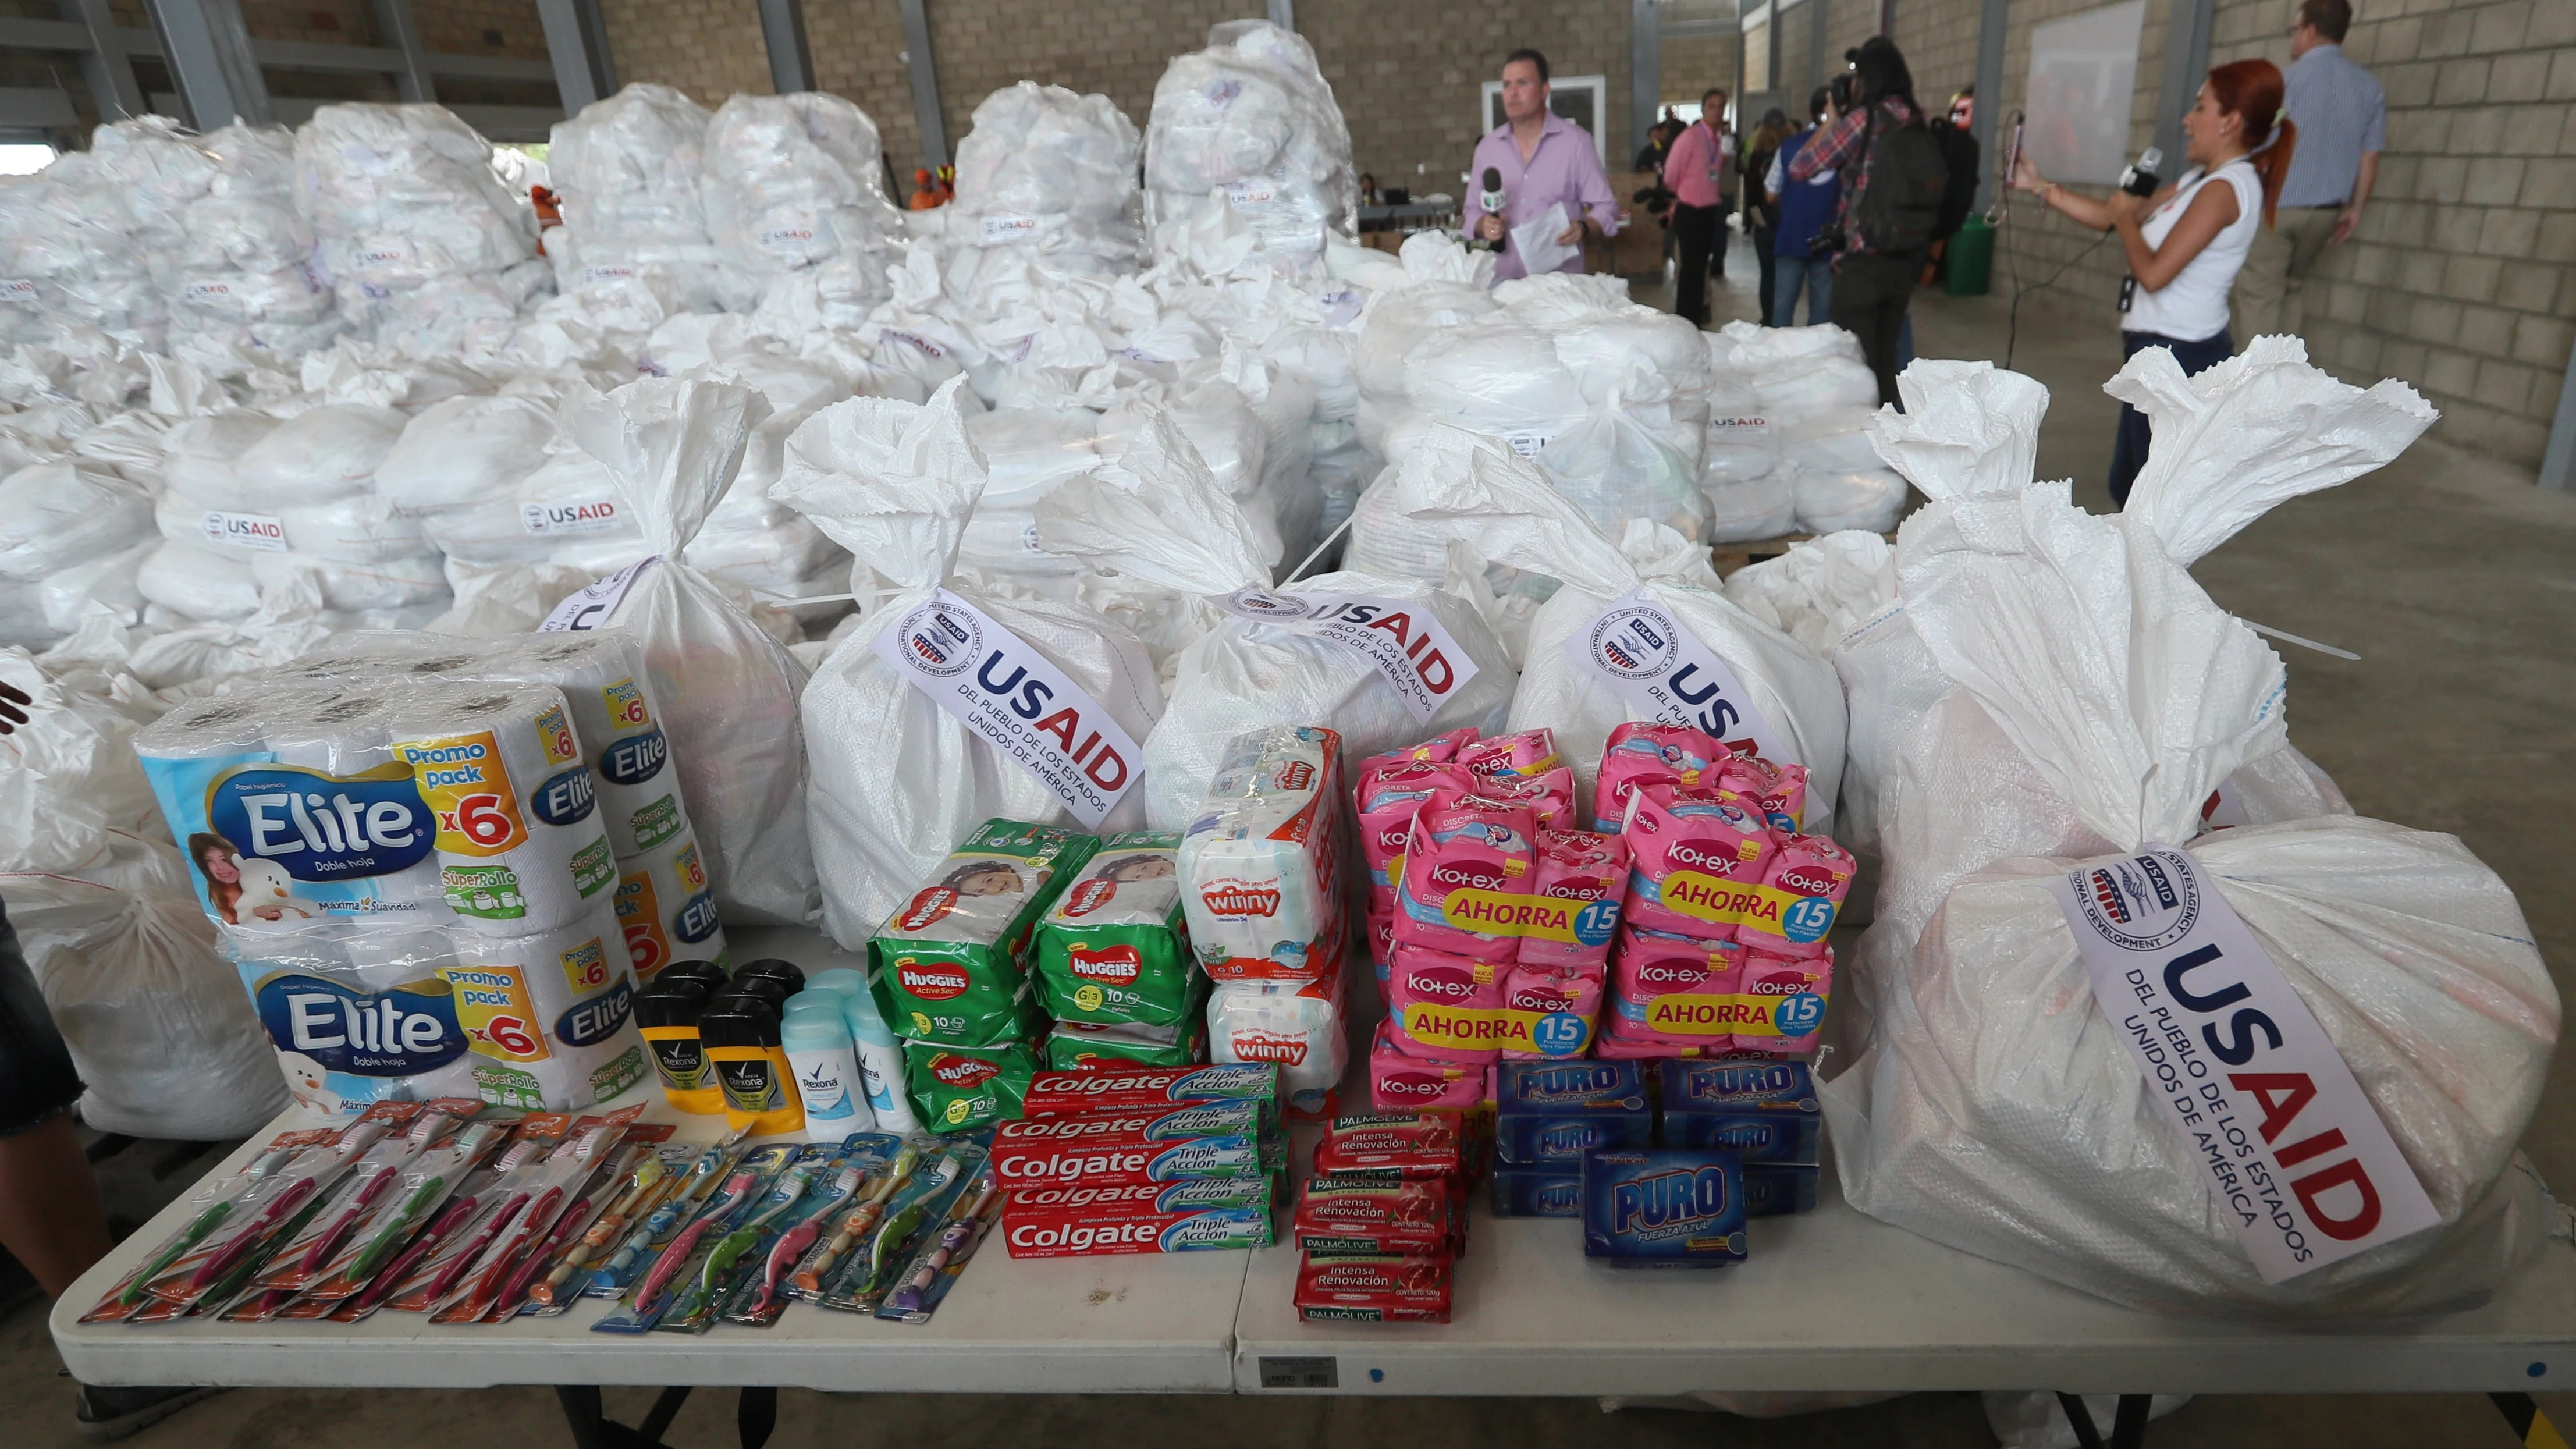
[
  {"x": 647, "y": 1182},
  {"x": 759, "y": 1299},
  {"x": 704, "y": 1178},
  {"x": 218, "y": 1201},
  {"x": 425, "y": 1275},
  {"x": 659, "y": 1288},
  {"x": 366, "y": 1193},
  {"x": 710, "y": 1279},
  {"x": 953, "y": 1240},
  {"x": 609, "y": 1181},
  {"x": 373, "y": 1246},
  {"x": 855, "y": 1222},
  {"x": 523, "y": 1223},
  {"x": 874, "y": 1264}
]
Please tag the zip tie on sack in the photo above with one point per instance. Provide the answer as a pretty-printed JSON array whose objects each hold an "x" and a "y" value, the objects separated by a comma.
[
  {"x": 1345, "y": 527},
  {"x": 2286, "y": 637}
]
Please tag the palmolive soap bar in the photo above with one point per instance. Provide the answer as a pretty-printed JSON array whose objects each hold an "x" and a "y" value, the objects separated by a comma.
[
  {"x": 1698, "y": 856},
  {"x": 1464, "y": 887},
  {"x": 1095, "y": 1229},
  {"x": 1363, "y": 1215},
  {"x": 1639, "y": 755},
  {"x": 1374, "y": 1290},
  {"x": 1431, "y": 1144},
  {"x": 1062, "y": 1094},
  {"x": 1260, "y": 881}
]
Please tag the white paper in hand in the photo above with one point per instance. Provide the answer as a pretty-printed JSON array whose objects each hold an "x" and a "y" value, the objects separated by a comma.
[{"x": 1537, "y": 244}]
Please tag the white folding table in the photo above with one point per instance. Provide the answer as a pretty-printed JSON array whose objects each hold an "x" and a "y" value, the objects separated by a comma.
[{"x": 1830, "y": 1300}]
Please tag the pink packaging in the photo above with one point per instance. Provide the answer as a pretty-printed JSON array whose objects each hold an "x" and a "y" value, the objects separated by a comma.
[
  {"x": 1444, "y": 1007},
  {"x": 1439, "y": 749},
  {"x": 1401, "y": 1081},
  {"x": 1387, "y": 799},
  {"x": 1818, "y": 873},
  {"x": 1707, "y": 846},
  {"x": 1541, "y": 1008},
  {"x": 1610, "y": 1046},
  {"x": 1674, "y": 989},
  {"x": 1785, "y": 802},
  {"x": 1781, "y": 1003},
  {"x": 1549, "y": 796},
  {"x": 1579, "y": 865},
  {"x": 1381, "y": 940},
  {"x": 1747, "y": 774},
  {"x": 1468, "y": 858},
  {"x": 1651, "y": 754},
  {"x": 1531, "y": 752}
]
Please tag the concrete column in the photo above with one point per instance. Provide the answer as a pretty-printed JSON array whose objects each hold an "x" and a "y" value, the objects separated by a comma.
[
  {"x": 2187, "y": 27},
  {"x": 1645, "y": 72},
  {"x": 1283, "y": 13},
  {"x": 399, "y": 30},
  {"x": 791, "y": 60},
  {"x": 1819, "y": 11},
  {"x": 577, "y": 43},
  {"x": 1992, "y": 21},
  {"x": 925, "y": 84},
  {"x": 207, "y": 48}
]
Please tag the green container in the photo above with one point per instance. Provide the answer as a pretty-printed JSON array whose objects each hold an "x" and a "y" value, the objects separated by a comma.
[
  {"x": 1079, "y": 1047},
  {"x": 959, "y": 1088},
  {"x": 948, "y": 965},
  {"x": 1114, "y": 950},
  {"x": 1971, "y": 261}
]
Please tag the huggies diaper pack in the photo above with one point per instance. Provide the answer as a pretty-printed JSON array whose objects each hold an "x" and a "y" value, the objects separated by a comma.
[
  {"x": 1114, "y": 948},
  {"x": 948, "y": 966}
]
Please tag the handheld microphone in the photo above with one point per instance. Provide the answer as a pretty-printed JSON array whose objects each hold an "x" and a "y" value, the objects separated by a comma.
[
  {"x": 2141, "y": 179},
  {"x": 1493, "y": 203}
]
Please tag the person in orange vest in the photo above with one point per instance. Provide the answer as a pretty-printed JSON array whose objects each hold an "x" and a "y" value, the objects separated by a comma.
[
  {"x": 947, "y": 184},
  {"x": 925, "y": 196}
]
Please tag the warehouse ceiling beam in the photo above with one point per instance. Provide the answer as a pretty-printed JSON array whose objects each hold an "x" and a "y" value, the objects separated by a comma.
[
  {"x": 577, "y": 43},
  {"x": 2187, "y": 30},
  {"x": 105, "y": 66},
  {"x": 925, "y": 84},
  {"x": 400, "y": 31},
  {"x": 1645, "y": 71},
  {"x": 791, "y": 60},
  {"x": 1992, "y": 21},
  {"x": 207, "y": 48}
]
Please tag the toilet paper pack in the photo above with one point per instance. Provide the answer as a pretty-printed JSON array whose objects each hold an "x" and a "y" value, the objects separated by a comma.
[
  {"x": 1260, "y": 865},
  {"x": 666, "y": 906},
  {"x": 551, "y": 1012},
  {"x": 519, "y": 840}
]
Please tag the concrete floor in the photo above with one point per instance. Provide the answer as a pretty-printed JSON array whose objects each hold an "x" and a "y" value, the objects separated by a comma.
[{"x": 2452, "y": 578}]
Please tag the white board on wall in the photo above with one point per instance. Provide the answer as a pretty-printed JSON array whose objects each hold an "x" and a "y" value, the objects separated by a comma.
[{"x": 2083, "y": 74}]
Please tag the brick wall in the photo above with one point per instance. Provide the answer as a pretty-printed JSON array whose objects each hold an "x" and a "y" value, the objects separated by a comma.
[
  {"x": 1693, "y": 63},
  {"x": 707, "y": 48}
]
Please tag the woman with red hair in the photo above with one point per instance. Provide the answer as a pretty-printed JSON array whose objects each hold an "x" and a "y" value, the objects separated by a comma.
[{"x": 2185, "y": 243}]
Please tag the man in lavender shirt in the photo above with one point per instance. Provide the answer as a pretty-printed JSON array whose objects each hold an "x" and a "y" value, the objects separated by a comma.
[{"x": 1544, "y": 160}]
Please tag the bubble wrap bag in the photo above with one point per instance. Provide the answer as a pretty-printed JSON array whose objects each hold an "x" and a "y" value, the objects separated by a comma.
[
  {"x": 2100, "y": 697},
  {"x": 244, "y": 271},
  {"x": 728, "y": 689},
  {"x": 793, "y": 183},
  {"x": 1503, "y": 509},
  {"x": 402, "y": 196},
  {"x": 896, "y": 780},
  {"x": 1053, "y": 174},
  {"x": 1251, "y": 124},
  {"x": 629, "y": 171}
]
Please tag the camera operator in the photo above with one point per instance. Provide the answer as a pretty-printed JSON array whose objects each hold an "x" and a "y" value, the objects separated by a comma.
[
  {"x": 2185, "y": 244},
  {"x": 1894, "y": 176}
]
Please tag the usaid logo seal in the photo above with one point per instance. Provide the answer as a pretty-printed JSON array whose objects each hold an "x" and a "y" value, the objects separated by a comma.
[
  {"x": 1633, "y": 643},
  {"x": 1262, "y": 604},
  {"x": 939, "y": 641},
  {"x": 2139, "y": 903}
]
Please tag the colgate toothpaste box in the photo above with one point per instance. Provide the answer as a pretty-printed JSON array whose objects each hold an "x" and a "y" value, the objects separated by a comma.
[
  {"x": 1143, "y": 1124},
  {"x": 1587, "y": 872},
  {"x": 1782, "y": 1003},
  {"x": 1697, "y": 858},
  {"x": 1669, "y": 988},
  {"x": 1096, "y": 1229},
  {"x": 1026, "y": 1162},
  {"x": 1374, "y": 1290},
  {"x": 1260, "y": 871},
  {"x": 1425, "y": 1145},
  {"x": 1549, "y": 1012},
  {"x": 947, "y": 966},
  {"x": 1401, "y": 1081},
  {"x": 1443, "y": 1006},
  {"x": 1373, "y": 1216},
  {"x": 1464, "y": 885},
  {"x": 1065, "y": 1094},
  {"x": 1803, "y": 888},
  {"x": 1511, "y": 757},
  {"x": 1538, "y": 1192},
  {"x": 1194, "y": 1195},
  {"x": 1663, "y": 1208},
  {"x": 1639, "y": 755}
]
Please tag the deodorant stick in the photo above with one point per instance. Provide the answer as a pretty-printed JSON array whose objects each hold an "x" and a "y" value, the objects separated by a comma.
[
  {"x": 820, "y": 1052},
  {"x": 880, "y": 1066}
]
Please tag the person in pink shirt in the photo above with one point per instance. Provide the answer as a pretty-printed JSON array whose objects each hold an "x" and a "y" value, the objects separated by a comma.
[
  {"x": 1543, "y": 160},
  {"x": 1700, "y": 172}
]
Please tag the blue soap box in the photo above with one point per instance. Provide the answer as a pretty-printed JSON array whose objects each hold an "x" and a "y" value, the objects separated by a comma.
[{"x": 1663, "y": 1207}]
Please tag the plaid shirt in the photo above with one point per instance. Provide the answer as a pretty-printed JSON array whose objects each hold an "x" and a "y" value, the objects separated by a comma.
[{"x": 1835, "y": 149}]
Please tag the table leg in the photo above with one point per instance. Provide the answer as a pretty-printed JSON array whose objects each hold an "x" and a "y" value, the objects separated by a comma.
[
  {"x": 2080, "y": 1419},
  {"x": 754, "y": 1415},
  {"x": 581, "y": 1412},
  {"x": 593, "y": 1429},
  {"x": 2128, "y": 1429},
  {"x": 2530, "y": 1425}
]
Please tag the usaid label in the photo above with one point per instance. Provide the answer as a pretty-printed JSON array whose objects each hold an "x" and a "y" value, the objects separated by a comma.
[
  {"x": 20, "y": 291},
  {"x": 546, "y": 520},
  {"x": 2295, "y": 1158},
  {"x": 261, "y": 531},
  {"x": 588, "y": 608},
  {"x": 1400, "y": 638},
  {"x": 1008, "y": 227},
  {"x": 1252, "y": 193},
  {"x": 1527, "y": 444},
  {"x": 1644, "y": 654},
  {"x": 1017, "y": 700}
]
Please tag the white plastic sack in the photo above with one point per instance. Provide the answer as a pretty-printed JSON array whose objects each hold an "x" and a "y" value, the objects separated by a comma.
[
  {"x": 1250, "y": 124},
  {"x": 329, "y": 452},
  {"x": 727, "y": 687},
  {"x": 1871, "y": 500},
  {"x": 197, "y": 583},
  {"x": 402, "y": 196},
  {"x": 793, "y": 183},
  {"x": 465, "y": 450},
  {"x": 628, "y": 170},
  {"x": 58, "y": 515},
  {"x": 1819, "y": 589},
  {"x": 897, "y": 782},
  {"x": 1505, "y": 510},
  {"x": 1053, "y": 174}
]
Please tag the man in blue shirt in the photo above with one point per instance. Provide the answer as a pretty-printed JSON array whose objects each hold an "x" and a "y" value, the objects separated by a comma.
[
  {"x": 1805, "y": 207},
  {"x": 2342, "y": 119}
]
